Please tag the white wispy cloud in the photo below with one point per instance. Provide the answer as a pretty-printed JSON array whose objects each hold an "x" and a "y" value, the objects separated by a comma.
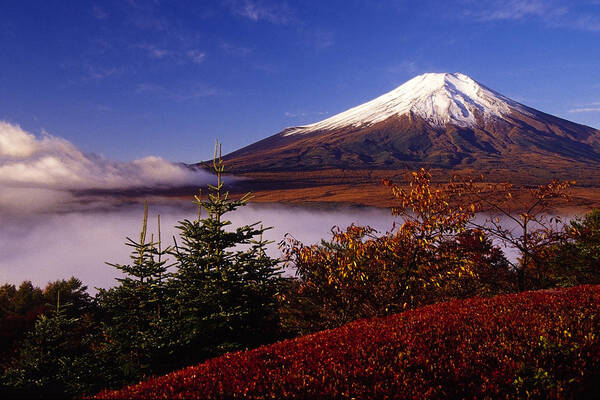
[
  {"x": 323, "y": 39},
  {"x": 233, "y": 50},
  {"x": 196, "y": 56},
  {"x": 404, "y": 67},
  {"x": 99, "y": 12},
  {"x": 195, "y": 92},
  {"x": 53, "y": 167},
  {"x": 584, "y": 109},
  {"x": 296, "y": 114},
  {"x": 587, "y": 23},
  {"x": 261, "y": 10},
  {"x": 142, "y": 88},
  {"x": 553, "y": 13},
  {"x": 179, "y": 94},
  {"x": 145, "y": 15},
  {"x": 594, "y": 106},
  {"x": 156, "y": 52},
  {"x": 96, "y": 73},
  {"x": 514, "y": 9},
  {"x": 87, "y": 72}
]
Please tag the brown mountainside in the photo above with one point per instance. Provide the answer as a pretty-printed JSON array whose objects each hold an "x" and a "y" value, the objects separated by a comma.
[
  {"x": 408, "y": 141},
  {"x": 446, "y": 122}
]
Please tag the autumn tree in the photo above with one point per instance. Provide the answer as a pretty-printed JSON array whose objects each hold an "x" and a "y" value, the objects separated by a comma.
[
  {"x": 430, "y": 216},
  {"x": 526, "y": 225},
  {"x": 360, "y": 273},
  {"x": 492, "y": 273}
]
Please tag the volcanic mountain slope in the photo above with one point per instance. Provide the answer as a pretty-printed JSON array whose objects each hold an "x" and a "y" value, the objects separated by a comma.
[{"x": 438, "y": 120}]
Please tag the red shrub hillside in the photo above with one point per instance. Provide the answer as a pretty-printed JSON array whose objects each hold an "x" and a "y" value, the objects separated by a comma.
[{"x": 533, "y": 344}]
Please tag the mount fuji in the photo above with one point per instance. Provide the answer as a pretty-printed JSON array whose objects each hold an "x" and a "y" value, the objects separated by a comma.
[{"x": 437, "y": 120}]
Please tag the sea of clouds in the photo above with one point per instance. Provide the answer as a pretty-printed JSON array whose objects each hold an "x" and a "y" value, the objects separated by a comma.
[
  {"x": 42, "y": 247},
  {"x": 38, "y": 173}
]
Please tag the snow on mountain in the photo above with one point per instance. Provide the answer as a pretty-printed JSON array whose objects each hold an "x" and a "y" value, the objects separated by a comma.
[
  {"x": 434, "y": 120},
  {"x": 439, "y": 98}
]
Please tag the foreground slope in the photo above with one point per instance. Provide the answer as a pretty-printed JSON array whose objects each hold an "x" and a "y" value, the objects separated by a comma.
[
  {"x": 439, "y": 120},
  {"x": 542, "y": 344}
]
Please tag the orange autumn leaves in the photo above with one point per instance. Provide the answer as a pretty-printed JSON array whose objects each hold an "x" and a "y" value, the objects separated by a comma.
[{"x": 430, "y": 257}]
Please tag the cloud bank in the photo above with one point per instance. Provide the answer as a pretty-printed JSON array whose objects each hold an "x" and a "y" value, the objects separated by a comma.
[
  {"x": 53, "y": 168},
  {"x": 78, "y": 243}
]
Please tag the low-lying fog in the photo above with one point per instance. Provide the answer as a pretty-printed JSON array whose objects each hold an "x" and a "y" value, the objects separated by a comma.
[{"x": 47, "y": 246}]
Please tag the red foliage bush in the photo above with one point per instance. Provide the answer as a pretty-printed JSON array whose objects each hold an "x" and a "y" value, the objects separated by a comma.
[
  {"x": 13, "y": 328},
  {"x": 532, "y": 344}
]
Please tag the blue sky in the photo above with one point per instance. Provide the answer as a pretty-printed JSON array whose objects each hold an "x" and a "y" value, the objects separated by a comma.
[{"x": 127, "y": 79}]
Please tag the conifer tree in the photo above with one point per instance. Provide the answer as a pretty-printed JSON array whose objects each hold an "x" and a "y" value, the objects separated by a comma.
[
  {"x": 135, "y": 325},
  {"x": 55, "y": 359},
  {"x": 225, "y": 285}
]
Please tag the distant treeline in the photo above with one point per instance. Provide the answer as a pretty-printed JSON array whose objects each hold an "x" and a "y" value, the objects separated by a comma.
[{"x": 214, "y": 290}]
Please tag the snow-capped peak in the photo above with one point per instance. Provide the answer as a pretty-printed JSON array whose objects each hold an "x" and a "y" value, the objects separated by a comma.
[{"x": 439, "y": 98}]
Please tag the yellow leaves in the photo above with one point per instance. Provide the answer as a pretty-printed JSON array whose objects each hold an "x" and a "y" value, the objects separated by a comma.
[{"x": 590, "y": 337}]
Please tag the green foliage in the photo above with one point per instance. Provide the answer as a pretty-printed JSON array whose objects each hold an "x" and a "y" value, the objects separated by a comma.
[
  {"x": 576, "y": 260},
  {"x": 29, "y": 298},
  {"x": 55, "y": 359},
  {"x": 134, "y": 326},
  {"x": 19, "y": 308},
  {"x": 72, "y": 292},
  {"x": 19, "y": 301},
  {"x": 225, "y": 284},
  {"x": 220, "y": 296}
]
